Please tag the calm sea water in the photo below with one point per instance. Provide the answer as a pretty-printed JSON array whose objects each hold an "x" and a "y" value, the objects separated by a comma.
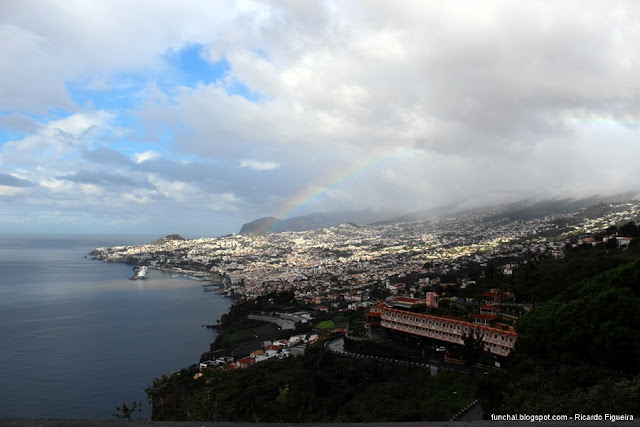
[{"x": 77, "y": 338}]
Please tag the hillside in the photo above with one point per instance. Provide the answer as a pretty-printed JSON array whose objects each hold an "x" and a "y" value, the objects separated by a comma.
[
  {"x": 260, "y": 225},
  {"x": 564, "y": 209},
  {"x": 578, "y": 352},
  {"x": 167, "y": 238},
  {"x": 316, "y": 387},
  {"x": 312, "y": 221}
]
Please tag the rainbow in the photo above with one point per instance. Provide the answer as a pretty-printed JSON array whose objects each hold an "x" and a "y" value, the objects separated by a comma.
[{"x": 307, "y": 197}]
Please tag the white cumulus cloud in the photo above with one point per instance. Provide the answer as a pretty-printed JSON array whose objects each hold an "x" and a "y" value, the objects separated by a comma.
[
  {"x": 145, "y": 156},
  {"x": 258, "y": 165},
  {"x": 495, "y": 99}
]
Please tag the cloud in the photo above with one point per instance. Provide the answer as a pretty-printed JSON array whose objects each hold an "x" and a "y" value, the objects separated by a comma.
[
  {"x": 146, "y": 156},
  {"x": 174, "y": 189},
  {"x": 9, "y": 180},
  {"x": 494, "y": 101},
  {"x": 138, "y": 35},
  {"x": 23, "y": 61},
  {"x": 227, "y": 202},
  {"x": 104, "y": 179},
  {"x": 17, "y": 122},
  {"x": 106, "y": 155},
  {"x": 258, "y": 165},
  {"x": 56, "y": 139}
]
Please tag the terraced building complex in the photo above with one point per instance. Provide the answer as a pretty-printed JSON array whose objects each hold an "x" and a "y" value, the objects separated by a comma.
[{"x": 499, "y": 339}]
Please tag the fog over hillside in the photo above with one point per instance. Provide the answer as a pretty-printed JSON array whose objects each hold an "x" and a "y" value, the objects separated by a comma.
[{"x": 521, "y": 210}]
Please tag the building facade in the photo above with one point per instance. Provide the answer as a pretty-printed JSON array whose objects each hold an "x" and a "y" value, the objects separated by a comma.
[{"x": 498, "y": 339}]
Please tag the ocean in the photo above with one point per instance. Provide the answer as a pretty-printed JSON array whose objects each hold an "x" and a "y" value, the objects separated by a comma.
[{"x": 78, "y": 338}]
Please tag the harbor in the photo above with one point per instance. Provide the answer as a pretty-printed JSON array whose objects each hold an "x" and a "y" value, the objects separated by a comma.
[{"x": 211, "y": 282}]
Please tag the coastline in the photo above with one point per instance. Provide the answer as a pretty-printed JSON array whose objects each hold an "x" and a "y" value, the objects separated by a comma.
[
  {"x": 208, "y": 281},
  {"x": 94, "y": 327}
]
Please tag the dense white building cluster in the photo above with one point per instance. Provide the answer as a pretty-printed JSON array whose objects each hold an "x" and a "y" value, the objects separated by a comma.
[{"x": 342, "y": 262}]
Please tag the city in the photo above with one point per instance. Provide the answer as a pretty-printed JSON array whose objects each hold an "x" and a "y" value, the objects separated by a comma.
[
  {"x": 344, "y": 263},
  {"x": 352, "y": 266}
]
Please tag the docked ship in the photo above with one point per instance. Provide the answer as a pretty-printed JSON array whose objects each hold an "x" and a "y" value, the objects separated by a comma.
[{"x": 140, "y": 273}]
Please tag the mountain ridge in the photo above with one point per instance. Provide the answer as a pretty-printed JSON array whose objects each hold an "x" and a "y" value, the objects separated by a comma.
[
  {"x": 313, "y": 221},
  {"x": 522, "y": 209}
]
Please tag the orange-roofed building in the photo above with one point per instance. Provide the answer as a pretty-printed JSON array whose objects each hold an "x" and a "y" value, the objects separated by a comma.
[
  {"x": 498, "y": 339},
  {"x": 496, "y": 297},
  {"x": 484, "y": 319},
  {"x": 373, "y": 316},
  {"x": 404, "y": 302}
]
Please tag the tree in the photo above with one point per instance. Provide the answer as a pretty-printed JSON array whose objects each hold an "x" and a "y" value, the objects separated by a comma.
[
  {"x": 629, "y": 230},
  {"x": 473, "y": 348},
  {"x": 129, "y": 412}
]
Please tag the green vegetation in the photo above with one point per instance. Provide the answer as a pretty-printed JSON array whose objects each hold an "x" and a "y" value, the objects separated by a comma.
[
  {"x": 326, "y": 324},
  {"x": 539, "y": 285},
  {"x": 339, "y": 321},
  {"x": 317, "y": 387},
  {"x": 357, "y": 323},
  {"x": 381, "y": 349},
  {"x": 236, "y": 329},
  {"x": 473, "y": 351},
  {"x": 579, "y": 350},
  {"x": 538, "y": 281},
  {"x": 240, "y": 336},
  {"x": 131, "y": 412}
]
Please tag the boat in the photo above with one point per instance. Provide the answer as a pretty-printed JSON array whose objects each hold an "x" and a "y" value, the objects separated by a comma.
[{"x": 141, "y": 273}]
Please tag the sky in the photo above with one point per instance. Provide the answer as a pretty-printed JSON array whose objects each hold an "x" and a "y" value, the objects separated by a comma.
[{"x": 194, "y": 117}]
